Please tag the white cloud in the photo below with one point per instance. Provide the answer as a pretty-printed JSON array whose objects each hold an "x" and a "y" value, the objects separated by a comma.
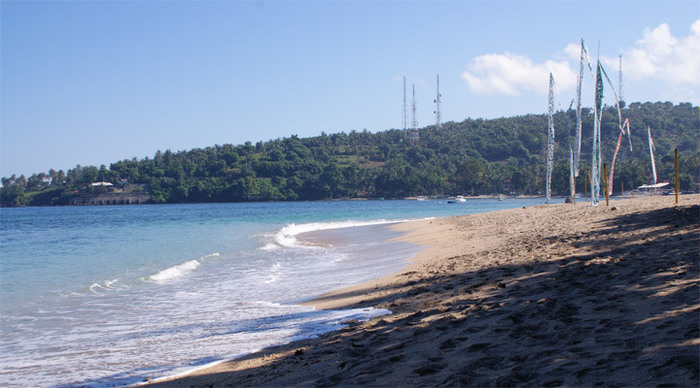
[
  {"x": 573, "y": 51},
  {"x": 512, "y": 74},
  {"x": 660, "y": 55}
]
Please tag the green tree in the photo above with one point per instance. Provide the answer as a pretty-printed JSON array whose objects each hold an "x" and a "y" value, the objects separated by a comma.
[{"x": 13, "y": 195}]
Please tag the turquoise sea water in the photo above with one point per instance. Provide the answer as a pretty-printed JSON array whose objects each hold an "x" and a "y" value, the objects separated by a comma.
[{"x": 107, "y": 296}]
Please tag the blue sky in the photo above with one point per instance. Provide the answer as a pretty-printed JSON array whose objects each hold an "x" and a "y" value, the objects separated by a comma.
[{"x": 95, "y": 82}]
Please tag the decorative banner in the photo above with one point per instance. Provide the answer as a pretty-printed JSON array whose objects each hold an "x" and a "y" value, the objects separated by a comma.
[
  {"x": 651, "y": 153},
  {"x": 572, "y": 179},
  {"x": 620, "y": 124},
  {"x": 598, "y": 114},
  {"x": 579, "y": 123},
  {"x": 572, "y": 173},
  {"x": 617, "y": 149},
  {"x": 550, "y": 137}
]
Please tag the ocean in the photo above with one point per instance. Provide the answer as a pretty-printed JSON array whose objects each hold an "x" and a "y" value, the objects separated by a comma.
[{"x": 113, "y": 295}]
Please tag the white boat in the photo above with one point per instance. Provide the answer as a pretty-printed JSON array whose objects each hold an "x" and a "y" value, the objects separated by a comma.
[{"x": 457, "y": 199}]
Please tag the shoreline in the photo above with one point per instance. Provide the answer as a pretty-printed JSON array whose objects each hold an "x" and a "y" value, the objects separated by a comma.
[{"x": 545, "y": 295}]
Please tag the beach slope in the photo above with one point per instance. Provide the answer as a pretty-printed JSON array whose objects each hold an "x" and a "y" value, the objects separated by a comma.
[{"x": 541, "y": 296}]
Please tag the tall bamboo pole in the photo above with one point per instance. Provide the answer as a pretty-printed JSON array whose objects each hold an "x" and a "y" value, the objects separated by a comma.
[
  {"x": 605, "y": 180},
  {"x": 677, "y": 183}
]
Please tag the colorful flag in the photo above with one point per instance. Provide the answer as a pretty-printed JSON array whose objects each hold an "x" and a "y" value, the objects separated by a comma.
[
  {"x": 579, "y": 123},
  {"x": 550, "y": 138},
  {"x": 598, "y": 114},
  {"x": 617, "y": 149},
  {"x": 651, "y": 154}
]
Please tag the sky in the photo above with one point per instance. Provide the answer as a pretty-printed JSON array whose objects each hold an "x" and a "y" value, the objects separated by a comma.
[{"x": 95, "y": 82}]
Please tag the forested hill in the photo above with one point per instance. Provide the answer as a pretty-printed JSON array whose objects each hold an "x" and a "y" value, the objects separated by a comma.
[{"x": 505, "y": 155}]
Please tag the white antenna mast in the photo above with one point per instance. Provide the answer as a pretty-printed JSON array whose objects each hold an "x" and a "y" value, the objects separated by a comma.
[
  {"x": 437, "y": 104},
  {"x": 405, "y": 117},
  {"x": 414, "y": 124}
]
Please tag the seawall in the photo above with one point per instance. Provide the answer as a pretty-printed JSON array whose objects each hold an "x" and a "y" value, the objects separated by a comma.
[{"x": 110, "y": 199}]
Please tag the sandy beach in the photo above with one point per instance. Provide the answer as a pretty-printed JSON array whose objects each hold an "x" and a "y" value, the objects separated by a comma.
[{"x": 557, "y": 295}]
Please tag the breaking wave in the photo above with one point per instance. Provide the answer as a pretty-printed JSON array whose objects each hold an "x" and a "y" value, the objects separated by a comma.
[
  {"x": 179, "y": 270},
  {"x": 286, "y": 236}
]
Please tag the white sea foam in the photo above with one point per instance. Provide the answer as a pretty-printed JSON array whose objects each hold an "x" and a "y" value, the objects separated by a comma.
[
  {"x": 95, "y": 286},
  {"x": 175, "y": 271},
  {"x": 287, "y": 236},
  {"x": 314, "y": 322},
  {"x": 276, "y": 305},
  {"x": 110, "y": 284},
  {"x": 275, "y": 273},
  {"x": 107, "y": 285},
  {"x": 180, "y": 270},
  {"x": 270, "y": 247}
]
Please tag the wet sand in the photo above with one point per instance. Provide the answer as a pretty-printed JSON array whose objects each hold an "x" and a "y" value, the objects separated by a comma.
[{"x": 541, "y": 296}]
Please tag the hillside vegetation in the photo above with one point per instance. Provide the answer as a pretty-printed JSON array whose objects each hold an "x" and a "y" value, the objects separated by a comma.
[{"x": 472, "y": 157}]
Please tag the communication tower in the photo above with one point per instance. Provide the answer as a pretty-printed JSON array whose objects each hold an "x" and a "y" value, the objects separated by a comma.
[
  {"x": 405, "y": 117},
  {"x": 437, "y": 103},
  {"x": 415, "y": 137}
]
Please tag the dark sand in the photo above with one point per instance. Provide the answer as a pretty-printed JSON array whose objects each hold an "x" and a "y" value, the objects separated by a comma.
[{"x": 543, "y": 296}]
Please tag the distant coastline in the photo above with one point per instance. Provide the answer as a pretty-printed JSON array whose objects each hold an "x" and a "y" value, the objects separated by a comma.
[
  {"x": 468, "y": 158},
  {"x": 145, "y": 197}
]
